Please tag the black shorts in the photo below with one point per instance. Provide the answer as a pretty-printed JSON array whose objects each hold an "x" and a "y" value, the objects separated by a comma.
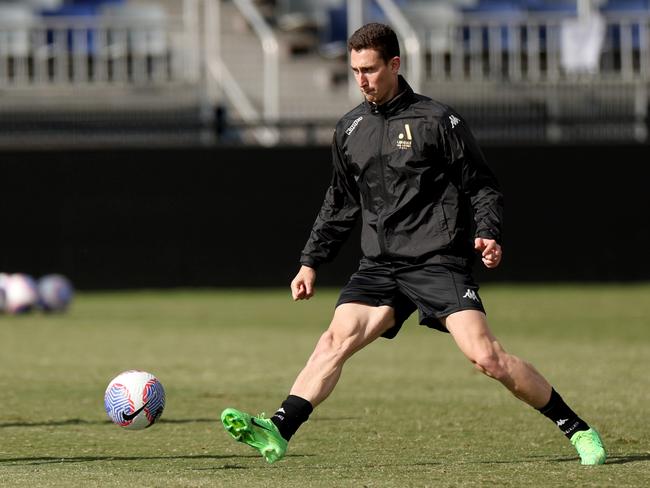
[{"x": 435, "y": 290}]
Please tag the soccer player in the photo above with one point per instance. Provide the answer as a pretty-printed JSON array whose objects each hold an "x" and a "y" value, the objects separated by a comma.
[{"x": 411, "y": 169}]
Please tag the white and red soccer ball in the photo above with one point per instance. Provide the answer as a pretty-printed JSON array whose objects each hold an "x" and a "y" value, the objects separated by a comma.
[
  {"x": 19, "y": 293},
  {"x": 134, "y": 400}
]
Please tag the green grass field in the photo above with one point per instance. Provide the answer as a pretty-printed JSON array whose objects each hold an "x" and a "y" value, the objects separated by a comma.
[{"x": 407, "y": 412}]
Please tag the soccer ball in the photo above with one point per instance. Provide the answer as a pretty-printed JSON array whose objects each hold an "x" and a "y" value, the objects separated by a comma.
[
  {"x": 4, "y": 279},
  {"x": 55, "y": 293},
  {"x": 134, "y": 399},
  {"x": 20, "y": 293}
]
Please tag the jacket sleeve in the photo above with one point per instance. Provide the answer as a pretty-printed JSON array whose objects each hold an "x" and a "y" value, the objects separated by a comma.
[
  {"x": 477, "y": 181},
  {"x": 337, "y": 216}
]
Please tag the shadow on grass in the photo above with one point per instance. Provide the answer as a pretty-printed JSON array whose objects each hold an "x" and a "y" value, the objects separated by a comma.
[
  {"x": 611, "y": 459},
  {"x": 238, "y": 466},
  {"x": 334, "y": 419},
  {"x": 31, "y": 461},
  {"x": 628, "y": 458},
  {"x": 87, "y": 459},
  {"x": 67, "y": 422}
]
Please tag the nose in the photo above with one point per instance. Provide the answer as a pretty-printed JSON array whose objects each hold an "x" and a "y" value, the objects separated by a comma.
[{"x": 362, "y": 80}]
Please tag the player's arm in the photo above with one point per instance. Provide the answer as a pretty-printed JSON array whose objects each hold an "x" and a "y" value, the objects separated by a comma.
[
  {"x": 337, "y": 216},
  {"x": 480, "y": 186},
  {"x": 302, "y": 286},
  {"x": 487, "y": 206}
]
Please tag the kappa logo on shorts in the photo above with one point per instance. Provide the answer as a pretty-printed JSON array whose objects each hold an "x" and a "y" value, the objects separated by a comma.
[{"x": 471, "y": 294}]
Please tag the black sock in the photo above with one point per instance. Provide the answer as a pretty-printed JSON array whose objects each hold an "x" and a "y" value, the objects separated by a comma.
[
  {"x": 560, "y": 413},
  {"x": 291, "y": 415}
]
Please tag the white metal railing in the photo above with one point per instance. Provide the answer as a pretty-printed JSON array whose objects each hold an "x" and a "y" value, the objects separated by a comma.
[
  {"x": 540, "y": 49},
  {"x": 270, "y": 48},
  {"x": 107, "y": 49},
  {"x": 218, "y": 72},
  {"x": 185, "y": 48}
]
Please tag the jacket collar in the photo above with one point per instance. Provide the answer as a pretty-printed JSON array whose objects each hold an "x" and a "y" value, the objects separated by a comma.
[{"x": 399, "y": 102}]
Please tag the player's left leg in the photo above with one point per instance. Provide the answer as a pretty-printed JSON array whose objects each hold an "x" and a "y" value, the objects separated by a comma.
[{"x": 470, "y": 330}]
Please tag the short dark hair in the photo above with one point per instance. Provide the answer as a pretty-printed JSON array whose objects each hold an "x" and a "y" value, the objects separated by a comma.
[{"x": 379, "y": 37}]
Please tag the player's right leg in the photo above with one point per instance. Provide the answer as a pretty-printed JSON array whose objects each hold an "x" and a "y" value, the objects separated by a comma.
[{"x": 354, "y": 326}]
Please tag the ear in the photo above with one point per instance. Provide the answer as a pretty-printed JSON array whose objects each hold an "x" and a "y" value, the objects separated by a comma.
[{"x": 395, "y": 64}]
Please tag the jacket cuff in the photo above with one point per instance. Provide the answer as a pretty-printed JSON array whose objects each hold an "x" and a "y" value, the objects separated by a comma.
[
  {"x": 309, "y": 261},
  {"x": 488, "y": 235}
]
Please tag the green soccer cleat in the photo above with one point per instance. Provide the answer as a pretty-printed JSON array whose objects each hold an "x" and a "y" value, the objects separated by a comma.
[
  {"x": 589, "y": 446},
  {"x": 257, "y": 432}
]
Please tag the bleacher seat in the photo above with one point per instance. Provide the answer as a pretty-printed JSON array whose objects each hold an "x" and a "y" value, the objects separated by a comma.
[
  {"x": 141, "y": 34},
  {"x": 569, "y": 7},
  {"x": 147, "y": 37},
  {"x": 504, "y": 9},
  {"x": 626, "y": 6},
  {"x": 614, "y": 34},
  {"x": 71, "y": 10},
  {"x": 15, "y": 22},
  {"x": 504, "y": 13},
  {"x": 76, "y": 41},
  {"x": 334, "y": 34},
  {"x": 434, "y": 22}
]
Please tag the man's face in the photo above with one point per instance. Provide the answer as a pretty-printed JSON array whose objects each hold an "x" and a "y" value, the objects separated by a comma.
[{"x": 376, "y": 78}]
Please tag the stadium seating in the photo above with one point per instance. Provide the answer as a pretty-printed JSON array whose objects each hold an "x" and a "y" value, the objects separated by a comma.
[
  {"x": 488, "y": 57},
  {"x": 566, "y": 7},
  {"x": 16, "y": 22},
  {"x": 626, "y": 6}
]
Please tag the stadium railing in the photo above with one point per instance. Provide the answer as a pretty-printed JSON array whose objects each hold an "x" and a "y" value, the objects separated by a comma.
[
  {"x": 107, "y": 71},
  {"x": 543, "y": 73},
  {"x": 516, "y": 77},
  {"x": 122, "y": 44}
]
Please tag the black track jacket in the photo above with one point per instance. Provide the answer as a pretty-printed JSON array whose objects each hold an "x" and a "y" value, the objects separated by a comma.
[{"x": 415, "y": 173}]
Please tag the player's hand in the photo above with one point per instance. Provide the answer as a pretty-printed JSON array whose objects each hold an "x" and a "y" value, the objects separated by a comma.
[
  {"x": 490, "y": 251},
  {"x": 302, "y": 286}
]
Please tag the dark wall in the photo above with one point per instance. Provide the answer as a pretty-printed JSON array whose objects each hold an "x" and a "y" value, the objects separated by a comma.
[
  {"x": 575, "y": 213},
  {"x": 240, "y": 216}
]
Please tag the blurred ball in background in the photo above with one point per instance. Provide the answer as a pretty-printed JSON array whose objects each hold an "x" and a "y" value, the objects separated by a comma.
[
  {"x": 4, "y": 278},
  {"x": 55, "y": 292},
  {"x": 20, "y": 293}
]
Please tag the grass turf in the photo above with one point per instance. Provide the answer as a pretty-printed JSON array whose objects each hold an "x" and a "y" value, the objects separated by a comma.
[{"x": 407, "y": 412}]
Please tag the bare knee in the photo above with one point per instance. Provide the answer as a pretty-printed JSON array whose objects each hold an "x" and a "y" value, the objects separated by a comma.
[
  {"x": 331, "y": 348},
  {"x": 353, "y": 327},
  {"x": 493, "y": 364}
]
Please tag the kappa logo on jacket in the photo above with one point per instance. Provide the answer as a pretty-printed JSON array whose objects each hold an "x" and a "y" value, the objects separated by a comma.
[
  {"x": 405, "y": 143},
  {"x": 350, "y": 129}
]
